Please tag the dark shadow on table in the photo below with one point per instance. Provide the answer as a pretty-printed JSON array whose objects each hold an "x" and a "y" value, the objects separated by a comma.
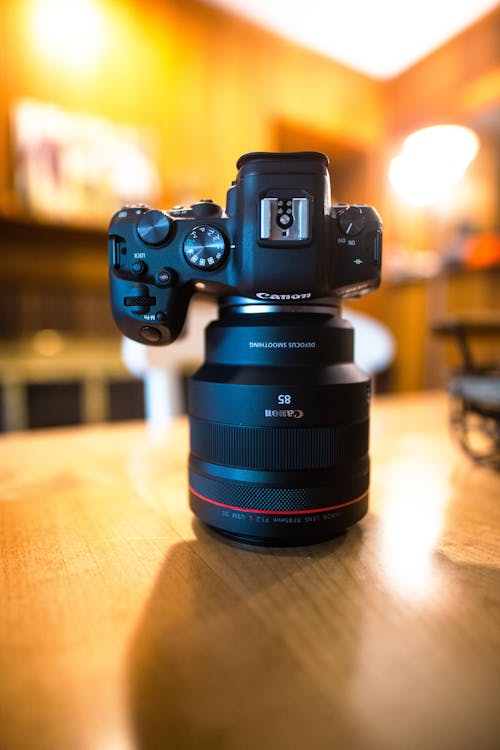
[{"x": 226, "y": 650}]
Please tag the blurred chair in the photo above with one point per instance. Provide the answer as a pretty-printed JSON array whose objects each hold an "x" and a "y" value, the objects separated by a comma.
[
  {"x": 162, "y": 368},
  {"x": 475, "y": 388}
]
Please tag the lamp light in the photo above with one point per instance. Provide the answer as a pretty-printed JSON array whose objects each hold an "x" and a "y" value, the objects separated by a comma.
[
  {"x": 69, "y": 32},
  {"x": 431, "y": 161}
]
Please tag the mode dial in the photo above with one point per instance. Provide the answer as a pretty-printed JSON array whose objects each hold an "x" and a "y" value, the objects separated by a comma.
[
  {"x": 351, "y": 220},
  {"x": 205, "y": 248},
  {"x": 154, "y": 227}
]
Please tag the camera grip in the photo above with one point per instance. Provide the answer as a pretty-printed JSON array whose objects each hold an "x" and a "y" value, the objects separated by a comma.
[{"x": 146, "y": 313}]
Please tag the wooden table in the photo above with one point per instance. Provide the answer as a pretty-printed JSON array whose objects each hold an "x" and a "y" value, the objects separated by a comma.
[{"x": 126, "y": 624}]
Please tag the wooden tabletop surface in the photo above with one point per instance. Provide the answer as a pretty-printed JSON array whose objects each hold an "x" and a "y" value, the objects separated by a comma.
[{"x": 125, "y": 624}]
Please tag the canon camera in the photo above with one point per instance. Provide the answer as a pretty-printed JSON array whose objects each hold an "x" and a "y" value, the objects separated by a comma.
[{"x": 278, "y": 410}]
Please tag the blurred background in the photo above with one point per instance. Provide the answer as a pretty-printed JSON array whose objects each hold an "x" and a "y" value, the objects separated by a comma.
[{"x": 104, "y": 103}]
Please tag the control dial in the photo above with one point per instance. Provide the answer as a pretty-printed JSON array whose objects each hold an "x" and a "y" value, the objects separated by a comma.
[
  {"x": 351, "y": 220},
  {"x": 154, "y": 227},
  {"x": 205, "y": 248}
]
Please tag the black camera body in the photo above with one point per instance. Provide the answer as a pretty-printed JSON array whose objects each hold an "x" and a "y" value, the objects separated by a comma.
[
  {"x": 279, "y": 260},
  {"x": 278, "y": 241}
]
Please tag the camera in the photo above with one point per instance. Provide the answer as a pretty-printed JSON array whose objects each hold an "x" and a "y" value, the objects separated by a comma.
[{"x": 278, "y": 411}]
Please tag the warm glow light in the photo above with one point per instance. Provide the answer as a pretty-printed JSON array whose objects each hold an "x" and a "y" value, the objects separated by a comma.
[
  {"x": 48, "y": 343},
  {"x": 412, "y": 527},
  {"x": 410, "y": 535},
  {"x": 68, "y": 32},
  {"x": 431, "y": 161}
]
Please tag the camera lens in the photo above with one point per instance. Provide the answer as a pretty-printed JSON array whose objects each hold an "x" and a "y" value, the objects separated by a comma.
[{"x": 279, "y": 427}]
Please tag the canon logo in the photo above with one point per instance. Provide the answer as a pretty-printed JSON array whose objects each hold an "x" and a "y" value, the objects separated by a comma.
[
  {"x": 295, "y": 295},
  {"x": 289, "y": 413}
]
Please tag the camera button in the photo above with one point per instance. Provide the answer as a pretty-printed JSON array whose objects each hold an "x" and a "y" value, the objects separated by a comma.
[
  {"x": 150, "y": 334},
  {"x": 165, "y": 277},
  {"x": 139, "y": 267}
]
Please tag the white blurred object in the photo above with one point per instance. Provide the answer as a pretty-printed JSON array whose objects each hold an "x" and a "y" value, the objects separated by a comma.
[
  {"x": 374, "y": 346},
  {"x": 160, "y": 367}
]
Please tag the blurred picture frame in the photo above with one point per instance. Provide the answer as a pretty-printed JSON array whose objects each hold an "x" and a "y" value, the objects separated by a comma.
[{"x": 77, "y": 167}]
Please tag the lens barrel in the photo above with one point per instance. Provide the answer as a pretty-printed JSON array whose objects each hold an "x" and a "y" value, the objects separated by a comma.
[{"x": 279, "y": 418}]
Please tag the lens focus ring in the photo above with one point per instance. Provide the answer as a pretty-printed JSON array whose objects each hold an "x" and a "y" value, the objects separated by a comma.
[{"x": 278, "y": 448}]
